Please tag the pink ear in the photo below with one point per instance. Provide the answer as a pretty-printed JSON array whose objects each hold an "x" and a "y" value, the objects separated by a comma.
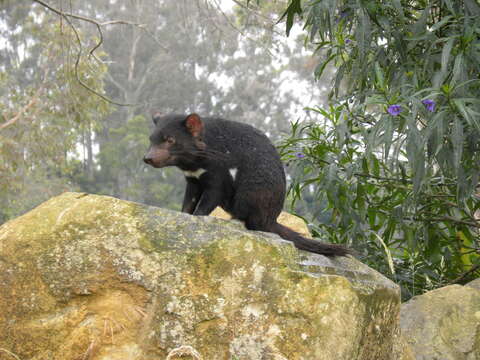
[{"x": 194, "y": 124}]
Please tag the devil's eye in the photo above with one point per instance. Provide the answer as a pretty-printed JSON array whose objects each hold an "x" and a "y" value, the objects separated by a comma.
[{"x": 170, "y": 139}]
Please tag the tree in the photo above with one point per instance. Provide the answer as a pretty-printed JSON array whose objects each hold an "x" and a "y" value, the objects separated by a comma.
[
  {"x": 396, "y": 156},
  {"x": 43, "y": 111}
]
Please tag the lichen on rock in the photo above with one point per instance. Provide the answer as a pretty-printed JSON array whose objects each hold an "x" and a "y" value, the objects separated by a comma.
[
  {"x": 94, "y": 277},
  {"x": 443, "y": 323}
]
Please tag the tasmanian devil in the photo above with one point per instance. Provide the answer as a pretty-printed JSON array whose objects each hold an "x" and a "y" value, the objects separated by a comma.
[{"x": 228, "y": 164}]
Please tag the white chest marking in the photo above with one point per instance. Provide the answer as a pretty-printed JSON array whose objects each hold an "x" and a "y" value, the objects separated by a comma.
[
  {"x": 195, "y": 174},
  {"x": 233, "y": 172}
]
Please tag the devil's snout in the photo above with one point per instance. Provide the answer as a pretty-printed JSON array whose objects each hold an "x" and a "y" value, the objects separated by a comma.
[{"x": 157, "y": 157}]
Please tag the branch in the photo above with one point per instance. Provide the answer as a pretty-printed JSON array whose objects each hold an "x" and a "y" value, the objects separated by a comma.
[
  {"x": 451, "y": 219},
  {"x": 99, "y": 26},
  {"x": 77, "y": 62},
  {"x": 115, "y": 83},
  {"x": 32, "y": 102},
  {"x": 475, "y": 224},
  {"x": 465, "y": 274},
  {"x": 234, "y": 27},
  {"x": 22, "y": 111},
  {"x": 383, "y": 178}
]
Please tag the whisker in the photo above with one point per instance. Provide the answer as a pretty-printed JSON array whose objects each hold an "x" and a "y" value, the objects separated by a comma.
[{"x": 211, "y": 154}]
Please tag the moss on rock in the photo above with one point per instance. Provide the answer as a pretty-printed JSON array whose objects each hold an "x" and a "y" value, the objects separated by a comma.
[
  {"x": 87, "y": 276},
  {"x": 443, "y": 323}
]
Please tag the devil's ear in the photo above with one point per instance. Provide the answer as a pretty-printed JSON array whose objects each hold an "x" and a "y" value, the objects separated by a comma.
[
  {"x": 194, "y": 124},
  {"x": 156, "y": 117}
]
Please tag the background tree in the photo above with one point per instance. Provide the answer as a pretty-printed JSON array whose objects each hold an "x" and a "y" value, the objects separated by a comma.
[
  {"x": 396, "y": 157},
  {"x": 43, "y": 110}
]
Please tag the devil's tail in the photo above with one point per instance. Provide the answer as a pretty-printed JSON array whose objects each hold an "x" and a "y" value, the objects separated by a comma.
[{"x": 314, "y": 246}]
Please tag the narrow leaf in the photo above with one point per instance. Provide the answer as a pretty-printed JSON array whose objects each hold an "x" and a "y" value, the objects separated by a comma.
[
  {"x": 457, "y": 142},
  {"x": 295, "y": 7},
  {"x": 447, "y": 50}
]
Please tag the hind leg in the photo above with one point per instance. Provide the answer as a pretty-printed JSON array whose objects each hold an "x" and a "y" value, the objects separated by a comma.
[
  {"x": 259, "y": 210},
  {"x": 257, "y": 223}
]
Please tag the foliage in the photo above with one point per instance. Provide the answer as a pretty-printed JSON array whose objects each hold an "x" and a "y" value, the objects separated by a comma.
[{"x": 397, "y": 158}]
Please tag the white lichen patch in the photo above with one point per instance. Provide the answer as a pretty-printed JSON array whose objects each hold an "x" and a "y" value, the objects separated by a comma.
[
  {"x": 231, "y": 288},
  {"x": 130, "y": 351},
  {"x": 247, "y": 346},
  {"x": 248, "y": 247},
  {"x": 219, "y": 306},
  {"x": 274, "y": 331},
  {"x": 252, "y": 311},
  {"x": 172, "y": 330},
  {"x": 258, "y": 271}
]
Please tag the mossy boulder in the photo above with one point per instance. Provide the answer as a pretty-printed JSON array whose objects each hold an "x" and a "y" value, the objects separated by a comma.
[
  {"x": 443, "y": 324},
  {"x": 93, "y": 277}
]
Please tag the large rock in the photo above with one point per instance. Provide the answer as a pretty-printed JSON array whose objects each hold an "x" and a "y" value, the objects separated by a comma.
[
  {"x": 93, "y": 277},
  {"x": 474, "y": 284},
  {"x": 293, "y": 222},
  {"x": 443, "y": 324}
]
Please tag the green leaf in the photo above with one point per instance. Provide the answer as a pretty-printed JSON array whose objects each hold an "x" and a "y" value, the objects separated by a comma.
[
  {"x": 420, "y": 25},
  {"x": 416, "y": 157},
  {"x": 372, "y": 216},
  {"x": 321, "y": 66},
  {"x": 471, "y": 116},
  {"x": 295, "y": 7},
  {"x": 363, "y": 34},
  {"x": 440, "y": 23},
  {"x": 458, "y": 69},
  {"x": 446, "y": 52},
  {"x": 380, "y": 79},
  {"x": 436, "y": 129},
  {"x": 457, "y": 142},
  {"x": 472, "y": 7},
  {"x": 387, "y": 136},
  {"x": 365, "y": 165},
  {"x": 397, "y": 213},
  {"x": 399, "y": 8}
]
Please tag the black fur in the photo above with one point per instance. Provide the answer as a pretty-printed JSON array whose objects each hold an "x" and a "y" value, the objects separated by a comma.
[{"x": 232, "y": 165}]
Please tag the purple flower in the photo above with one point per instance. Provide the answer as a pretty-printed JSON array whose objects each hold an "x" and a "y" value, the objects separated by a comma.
[
  {"x": 348, "y": 41},
  {"x": 394, "y": 110},
  {"x": 300, "y": 155},
  {"x": 429, "y": 104}
]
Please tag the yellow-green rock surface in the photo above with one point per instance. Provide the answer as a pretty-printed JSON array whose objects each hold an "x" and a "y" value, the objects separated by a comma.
[
  {"x": 93, "y": 277},
  {"x": 443, "y": 324},
  {"x": 293, "y": 222}
]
